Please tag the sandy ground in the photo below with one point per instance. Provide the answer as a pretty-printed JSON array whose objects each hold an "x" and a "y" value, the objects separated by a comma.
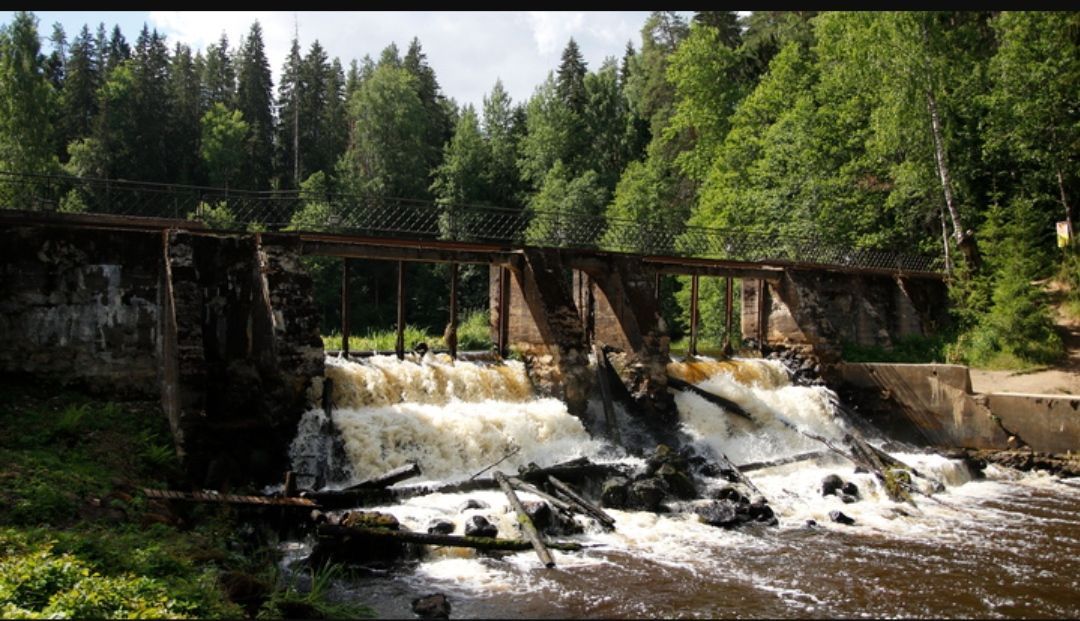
[{"x": 1063, "y": 379}]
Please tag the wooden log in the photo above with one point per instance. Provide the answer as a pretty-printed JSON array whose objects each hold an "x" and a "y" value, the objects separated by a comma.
[
  {"x": 742, "y": 478},
  {"x": 525, "y": 522},
  {"x": 580, "y": 469},
  {"x": 435, "y": 539},
  {"x": 761, "y": 465},
  {"x": 470, "y": 485},
  {"x": 290, "y": 484},
  {"x": 605, "y": 392},
  {"x": 606, "y": 520},
  {"x": 387, "y": 479},
  {"x": 558, "y": 503},
  {"x": 341, "y": 499},
  {"x": 727, "y": 404}
]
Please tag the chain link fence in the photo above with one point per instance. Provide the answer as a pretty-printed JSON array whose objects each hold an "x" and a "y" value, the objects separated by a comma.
[{"x": 372, "y": 216}]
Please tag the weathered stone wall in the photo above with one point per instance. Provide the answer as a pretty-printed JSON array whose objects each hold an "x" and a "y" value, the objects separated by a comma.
[
  {"x": 81, "y": 309},
  {"x": 824, "y": 309},
  {"x": 932, "y": 404},
  {"x": 222, "y": 328}
]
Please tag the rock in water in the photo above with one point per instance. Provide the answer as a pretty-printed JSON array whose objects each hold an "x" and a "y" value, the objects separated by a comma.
[
  {"x": 614, "y": 494},
  {"x": 473, "y": 503},
  {"x": 840, "y": 518},
  {"x": 722, "y": 513},
  {"x": 479, "y": 526},
  {"x": 850, "y": 489},
  {"x": 440, "y": 527},
  {"x": 830, "y": 484},
  {"x": 434, "y": 606},
  {"x": 645, "y": 495}
]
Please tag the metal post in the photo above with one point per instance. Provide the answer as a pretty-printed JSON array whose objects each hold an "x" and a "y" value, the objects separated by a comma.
[
  {"x": 693, "y": 314},
  {"x": 504, "y": 305},
  {"x": 656, "y": 287},
  {"x": 451, "y": 334},
  {"x": 761, "y": 318},
  {"x": 345, "y": 307},
  {"x": 729, "y": 297},
  {"x": 400, "y": 346}
]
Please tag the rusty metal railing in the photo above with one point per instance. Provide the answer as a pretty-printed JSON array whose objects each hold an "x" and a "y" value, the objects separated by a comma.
[{"x": 376, "y": 216}]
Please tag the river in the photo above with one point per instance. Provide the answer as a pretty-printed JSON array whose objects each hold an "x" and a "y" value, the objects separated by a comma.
[{"x": 1006, "y": 544}]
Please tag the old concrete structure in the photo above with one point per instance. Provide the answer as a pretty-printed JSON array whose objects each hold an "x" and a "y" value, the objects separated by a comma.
[
  {"x": 221, "y": 327},
  {"x": 823, "y": 309},
  {"x": 933, "y": 404}
]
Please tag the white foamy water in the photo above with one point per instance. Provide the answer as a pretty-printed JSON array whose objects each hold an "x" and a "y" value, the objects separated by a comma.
[{"x": 454, "y": 419}]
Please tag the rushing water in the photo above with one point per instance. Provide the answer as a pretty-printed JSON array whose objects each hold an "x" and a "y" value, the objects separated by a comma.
[{"x": 1006, "y": 545}]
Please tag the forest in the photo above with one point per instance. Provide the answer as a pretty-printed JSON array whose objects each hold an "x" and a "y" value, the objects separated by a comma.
[{"x": 954, "y": 134}]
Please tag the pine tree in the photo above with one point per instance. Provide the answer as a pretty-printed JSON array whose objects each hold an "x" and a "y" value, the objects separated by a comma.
[
  {"x": 288, "y": 107},
  {"x": 185, "y": 113},
  {"x": 26, "y": 98},
  {"x": 78, "y": 101},
  {"x": 314, "y": 97},
  {"x": 439, "y": 126},
  {"x": 117, "y": 50},
  {"x": 254, "y": 100},
  {"x": 150, "y": 68},
  {"x": 219, "y": 75}
]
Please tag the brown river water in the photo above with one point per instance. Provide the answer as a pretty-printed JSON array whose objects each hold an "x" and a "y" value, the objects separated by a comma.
[{"x": 1004, "y": 545}]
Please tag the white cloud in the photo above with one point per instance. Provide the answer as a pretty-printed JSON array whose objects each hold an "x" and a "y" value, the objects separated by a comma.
[{"x": 467, "y": 50}]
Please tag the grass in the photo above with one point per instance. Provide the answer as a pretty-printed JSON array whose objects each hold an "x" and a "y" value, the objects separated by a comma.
[
  {"x": 78, "y": 540},
  {"x": 474, "y": 333},
  {"x": 908, "y": 349}
]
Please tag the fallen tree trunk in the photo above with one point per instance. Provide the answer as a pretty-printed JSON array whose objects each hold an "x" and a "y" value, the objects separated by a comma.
[
  {"x": 761, "y": 465},
  {"x": 717, "y": 400},
  {"x": 396, "y": 475},
  {"x": 605, "y": 392},
  {"x": 576, "y": 470},
  {"x": 555, "y": 502},
  {"x": 333, "y": 531},
  {"x": 525, "y": 522},
  {"x": 596, "y": 512}
]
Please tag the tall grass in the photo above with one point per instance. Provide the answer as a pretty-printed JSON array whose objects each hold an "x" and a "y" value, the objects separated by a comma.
[{"x": 474, "y": 333}]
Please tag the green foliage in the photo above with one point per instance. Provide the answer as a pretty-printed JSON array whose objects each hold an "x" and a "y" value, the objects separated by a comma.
[
  {"x": 316, "y": 602},
  {"x": 474, "y": 334},
  {"x": 907, "y": 349},
  {"x": 73, "y": 202},
  {"x": 215, "y": 215},
  {"x": 26, "y": 100},
  {"x": 223, "y": 146},
  {"x": 564, "y": 207}
]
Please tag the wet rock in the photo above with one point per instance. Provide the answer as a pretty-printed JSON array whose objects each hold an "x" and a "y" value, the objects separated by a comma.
[
  {"x": 665, "y": 455},
  {"x": 245, "y": 589},
  {"x": 847, "y": 499},
  {"x": 613, "y": 495},
  {"x": 760, "y": 511},
  {"x": 540, "y": 513},
  {"x": 434, "y": 606},
  {"x": 479, "y": 526},
  {"x": 850, "y": 489},
  {"x": 721, "y": 513},
  {"x": 678, "y": 483},
  {"x": 830, "y": 484},
  {"x": 440, "y": 527},
  {"x": 645, "y": 494},
  {"x": 369, "y": 519},
  {"x": 728, "y": 493},
  {"x": 473, "y": 503},
  {"x": 840, "y": 518},
  {"x": 811, "y": 523}
]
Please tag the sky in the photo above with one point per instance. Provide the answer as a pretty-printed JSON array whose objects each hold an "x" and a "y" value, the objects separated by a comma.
[{"x": 468, "y": 50}]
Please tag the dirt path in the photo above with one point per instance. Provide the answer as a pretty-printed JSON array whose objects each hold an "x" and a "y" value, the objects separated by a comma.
[{"x": 1061, "y": 379}]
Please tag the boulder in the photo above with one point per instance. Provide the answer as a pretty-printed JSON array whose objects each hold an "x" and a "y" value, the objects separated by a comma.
[
  {"x": 721, "y": 513},
  {"x": 850, "y": 489},
  {"x": 840, "y": 518},
  {"x": 473, "y": 503},
  {"x": 613, "y": 495},
  {"x": 830, "y": 484},
  {"x": 677, "y": 482},
  {"x": 760, "y": 511},
  {"x": 434, "y": 606},
  {"x": 645, "y": 494},
  {"x": 479, "y": 526},
  {"x": 369, "y": 519},
  {"x": 440, "y": 527}
]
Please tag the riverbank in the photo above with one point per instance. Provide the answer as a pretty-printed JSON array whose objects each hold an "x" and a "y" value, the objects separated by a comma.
[{"x": 80, "y": 540}]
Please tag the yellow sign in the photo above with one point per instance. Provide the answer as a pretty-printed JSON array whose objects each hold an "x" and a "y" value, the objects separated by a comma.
[{"x": 1064, "y": 233}]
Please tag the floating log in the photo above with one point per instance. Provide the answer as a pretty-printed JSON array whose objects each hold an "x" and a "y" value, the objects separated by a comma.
[
  {"x": 558, "y": 503},
  {"x": 761, "y": 465},
  {"x": 525, "y": 522},
  {"x": 396, "y": 475},
  {"x": 435, "y": 539},
  {"x": 470, "y": 485},
  {"x": 717, "y": 400},
  {"x": 605, "y": 392},
  {"x": 726, "y": 464},
  {"x": 576, "y": 470},
  {"x": 234, "y": 499},
  {"x": 508, "y": 454},
  {"x": 596, "y": 512}
]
